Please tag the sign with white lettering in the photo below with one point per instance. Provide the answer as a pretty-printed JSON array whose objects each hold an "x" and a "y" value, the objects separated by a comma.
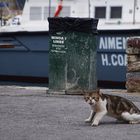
[
  {"x": 58, "y": 44},
  {"x": 111, "y": 43},
  {"x": 111, "y": 57}
]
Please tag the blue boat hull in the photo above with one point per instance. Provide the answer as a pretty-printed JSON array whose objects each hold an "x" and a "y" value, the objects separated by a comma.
[
  {"x": 28, "y": 57},
  {"x": 28, "y": 54}
]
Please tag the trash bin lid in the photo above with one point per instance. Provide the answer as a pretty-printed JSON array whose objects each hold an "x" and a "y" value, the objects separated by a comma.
[{"x": 66, "y": 24}]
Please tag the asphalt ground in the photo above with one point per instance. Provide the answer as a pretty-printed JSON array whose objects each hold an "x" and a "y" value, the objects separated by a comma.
[{"x": 28, "y": 113}]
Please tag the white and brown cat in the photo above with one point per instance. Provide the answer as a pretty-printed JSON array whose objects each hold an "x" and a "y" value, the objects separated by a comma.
[{"x": 114, "y": 106}]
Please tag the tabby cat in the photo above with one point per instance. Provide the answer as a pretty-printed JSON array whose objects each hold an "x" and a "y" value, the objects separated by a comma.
[{"x": 114, "y": 106}]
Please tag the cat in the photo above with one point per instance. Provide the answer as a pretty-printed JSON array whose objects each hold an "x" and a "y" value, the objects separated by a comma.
[{"x": 115, "y": 106}]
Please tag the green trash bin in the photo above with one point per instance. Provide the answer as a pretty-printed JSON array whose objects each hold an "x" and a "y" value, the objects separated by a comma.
[{"x": 72, "y": 54}]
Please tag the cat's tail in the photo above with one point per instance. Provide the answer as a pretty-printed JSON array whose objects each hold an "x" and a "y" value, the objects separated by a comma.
[{"x": 131, "y": 117}]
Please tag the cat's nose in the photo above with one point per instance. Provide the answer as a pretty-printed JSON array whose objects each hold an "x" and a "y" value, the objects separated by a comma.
[
  {"x": 90, "y": 103},
  {"x": 93, "y": 102}
]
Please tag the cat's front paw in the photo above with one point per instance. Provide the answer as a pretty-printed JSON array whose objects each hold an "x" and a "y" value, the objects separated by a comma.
[
  {"x": 94, "y": 124},
  {"x": 133, "y": 122},
  {"x": 87, "y": 120}
]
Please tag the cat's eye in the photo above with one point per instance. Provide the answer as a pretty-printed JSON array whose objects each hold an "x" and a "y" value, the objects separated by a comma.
[
  {"x": 95, "y": 98},
  {"x": 86, "y": 98}
]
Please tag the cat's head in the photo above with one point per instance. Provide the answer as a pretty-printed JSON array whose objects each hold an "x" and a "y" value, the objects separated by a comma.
[{"x": 92, "y": 97}]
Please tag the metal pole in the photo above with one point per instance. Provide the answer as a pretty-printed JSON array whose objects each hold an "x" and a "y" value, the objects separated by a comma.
[
  {"x": 134, "y": 13},
  {"x": 49, "y": 8},
  {"x": 89, "y": 8},
  {"x": 1, "y": 15}
]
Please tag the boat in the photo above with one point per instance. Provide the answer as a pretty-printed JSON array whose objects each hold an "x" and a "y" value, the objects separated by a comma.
[{"x": 24, "y": 38}]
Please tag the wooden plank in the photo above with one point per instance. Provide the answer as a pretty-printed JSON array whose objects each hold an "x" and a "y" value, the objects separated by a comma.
[
  {"x": 133, "y": 46},
  {"x": 133, "y": 58},
  {"x": 133, "y": 67},
  {"x": 133, "y": 75},
  {"x": 133, "y": 85},
  {"x": 132, "y": 50},
  {"x": 133, "y": 82}
]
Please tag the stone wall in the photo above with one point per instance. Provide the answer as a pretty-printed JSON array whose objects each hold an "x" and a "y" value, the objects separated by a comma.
[{"x": 133, "y": 65}]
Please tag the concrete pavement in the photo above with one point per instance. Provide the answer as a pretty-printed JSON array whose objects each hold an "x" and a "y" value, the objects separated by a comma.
[{"x": 28, "y": 113}]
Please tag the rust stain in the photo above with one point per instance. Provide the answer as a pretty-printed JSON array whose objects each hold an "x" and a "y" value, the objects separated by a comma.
[{"x": 7, "y": 46}]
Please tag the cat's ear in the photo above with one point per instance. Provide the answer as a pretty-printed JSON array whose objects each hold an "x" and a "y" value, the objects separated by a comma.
[
  {"x": 83, "y": 92},
  {"x": 98, "y": 92}
]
